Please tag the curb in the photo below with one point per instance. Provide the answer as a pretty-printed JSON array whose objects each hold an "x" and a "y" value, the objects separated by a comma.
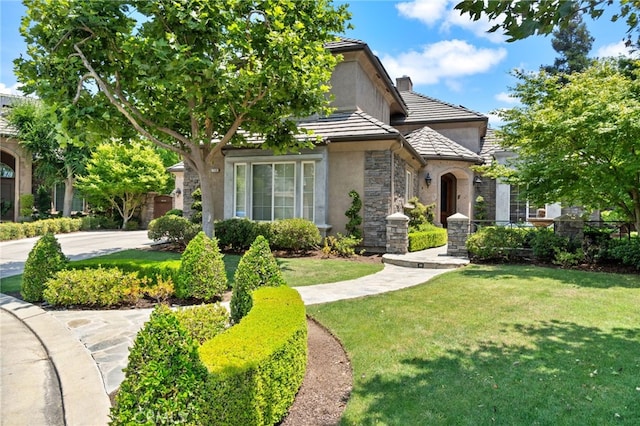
[{"x": 84, "y": 398}]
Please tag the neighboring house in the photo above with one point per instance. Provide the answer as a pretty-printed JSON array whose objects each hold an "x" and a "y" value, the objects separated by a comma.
[
  {"x": 15, "y": 165},
  {"x": 384, "y": 140}
]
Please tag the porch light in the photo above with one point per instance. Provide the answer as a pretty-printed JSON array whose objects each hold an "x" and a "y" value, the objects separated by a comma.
[
  {"x": 477, "y": 180},
  {"x": 427, "y": 179}
]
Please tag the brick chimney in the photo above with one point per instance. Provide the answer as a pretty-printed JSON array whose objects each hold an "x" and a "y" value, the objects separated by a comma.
[{"x": 404, "y": 84}]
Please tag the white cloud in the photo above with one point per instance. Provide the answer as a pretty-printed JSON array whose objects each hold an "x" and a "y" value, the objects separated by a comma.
[
  {"x": 495, "y": 121},
  {"x": 478, "y": 28},
  {"x": 445, "y": 60},
  {"x": 615, "y": 50},
  {"x": 13, "y": 90},
  {"x": 506, "y": 98},
  {"x": 427, "y": 11}
]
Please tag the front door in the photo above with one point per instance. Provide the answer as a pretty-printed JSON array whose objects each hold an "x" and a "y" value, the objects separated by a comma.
[{"x": 448, "y": 197}]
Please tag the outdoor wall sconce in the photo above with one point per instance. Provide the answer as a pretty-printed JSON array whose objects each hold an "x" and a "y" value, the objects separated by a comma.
[
  {"x": 477, "y": 180},
  {"x": 427, "y": 179},
  {"x": 177, "y": 192}
]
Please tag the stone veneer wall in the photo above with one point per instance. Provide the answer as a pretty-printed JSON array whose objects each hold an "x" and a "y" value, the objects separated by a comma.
[
  {"x": 377, "y": 197},
  {"x": 488, "y": 191},
  {"x": 457, "y": 234},
  {"x": 190, "y": 184}
]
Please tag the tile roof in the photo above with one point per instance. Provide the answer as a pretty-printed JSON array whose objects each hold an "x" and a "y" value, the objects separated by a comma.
[
  {"x": 432, "y": 145},
  {"x": 490, "y": 145},
  {"x": 423, "y": 109},
  {"x": 344, "y": 43},
  {"x": 178, "y": 167},
  {"x": 348, "y": 125}
]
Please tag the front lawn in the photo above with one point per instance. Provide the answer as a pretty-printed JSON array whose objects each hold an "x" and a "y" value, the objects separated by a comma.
[
  {"x": 296, "y": 271},
  {"x": 494, "y": 345}
]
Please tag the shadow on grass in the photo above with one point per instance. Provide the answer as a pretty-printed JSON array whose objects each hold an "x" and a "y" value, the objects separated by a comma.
[
  {"x": 565, "y": 374},
  {"x": 578, "y": 278}
]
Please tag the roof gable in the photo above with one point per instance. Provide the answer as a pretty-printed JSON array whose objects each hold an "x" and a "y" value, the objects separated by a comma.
[{"x": 432, "y": 145}]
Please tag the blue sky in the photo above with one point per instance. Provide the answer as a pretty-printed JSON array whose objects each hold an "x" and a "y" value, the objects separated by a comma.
[{"x": 447, "y": 56}]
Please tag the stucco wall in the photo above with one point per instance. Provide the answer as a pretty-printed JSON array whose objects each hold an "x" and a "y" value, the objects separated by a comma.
[
  {"x": 346, "y": 173},
  {"x": 465, "y": 193},
  {"x": 353, "y": 89}
]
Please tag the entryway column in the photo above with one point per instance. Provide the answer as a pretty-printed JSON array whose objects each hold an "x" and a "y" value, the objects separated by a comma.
[
  {"x": 457, "y": 234},
  {"x": 397, "y": 233}
]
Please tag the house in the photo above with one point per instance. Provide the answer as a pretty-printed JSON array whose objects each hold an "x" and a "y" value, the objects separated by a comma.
[
  {"x": 16, "y": 165},
  {"x": 384, "y": 140}
]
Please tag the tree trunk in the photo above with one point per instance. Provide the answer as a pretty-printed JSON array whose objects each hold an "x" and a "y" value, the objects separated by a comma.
[
  {"x": 68, "y": 193},
  {"x": 208, "y": 189}
]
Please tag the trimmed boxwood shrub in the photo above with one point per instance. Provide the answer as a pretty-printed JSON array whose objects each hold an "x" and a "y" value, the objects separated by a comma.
[
  {"x": 428, "y": 236},
  {"x": 627, "y": 251},
  {"x": 201, "y": 274},
  {"x": 166, "y": 270},
  {"x": 164, "y": 380},
  {"x": 203, "y": 322},
  {"x": 15, "y": 231},
  {"x": 497, "y": 243},
  {"x": 97, "y": 288},
  {"x": 176, "y": 229},
  {"x": 238, "y": 234},
  {"x": 44, "y": 260},
  {"x": 545, "y": 244},
  {"x": 257, "y": 268},
  {"x": 295, "y": 234},
  {"x": 256, "y": 367}
]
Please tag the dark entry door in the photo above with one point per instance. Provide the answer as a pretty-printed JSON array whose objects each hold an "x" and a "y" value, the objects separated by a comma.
[
  {"x": 161, "y": 205},
  {"x": 448, "y": 197}
]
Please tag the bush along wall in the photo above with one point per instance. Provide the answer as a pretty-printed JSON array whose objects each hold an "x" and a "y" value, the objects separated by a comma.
[
  {"x": 427, "y": 236},
  {"x": 16, "y": 231}
]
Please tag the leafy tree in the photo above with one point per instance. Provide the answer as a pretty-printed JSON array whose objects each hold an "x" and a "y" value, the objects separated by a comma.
[
  {"x": 579, "y": 142},
  {"x": 58, "y": 157},
  {"x": 521, "y": 19},
  {"x": 186, "y": 75},
  {"x": 120, "y": 176},
  {"x": 573, "y": 43}
]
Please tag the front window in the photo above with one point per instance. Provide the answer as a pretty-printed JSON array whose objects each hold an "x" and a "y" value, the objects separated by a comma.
[
  {"x": 408, "y": 189},
  {"x": 308, "y": 190},
  {"x": 240, "y": 195},
  {"x": 273, "y": 194}
]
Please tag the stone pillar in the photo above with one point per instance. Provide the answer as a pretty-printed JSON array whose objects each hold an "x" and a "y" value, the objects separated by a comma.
[
  {"x": 457, "y": 234},
  {"x": 570, "y": 226},
  {"x": 397, "y": 233}
]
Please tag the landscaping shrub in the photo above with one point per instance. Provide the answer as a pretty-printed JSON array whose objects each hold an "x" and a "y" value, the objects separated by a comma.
[
  {"x": 257, "y": 268},
  {"x": 295, "y": 234},
  {"x": 238, "y": 234},
  {"x": 196, "y": 206},
  {"x": 44, "y": 260},
  {"x": 161, "y": 290},
  {"x": 427, "y": 236},
  {"x": 497, "y": 243},
  {"x": 176, "y": 229},
  {"x": 341, "y": 245},
  {"x": 419, "y": 214},
  {"x": 90, "y": 223},
  {"x": 201, "y": 274},
  {"x": 98, "y": 288},
  {"x": 153, "y": 272},
  {"x": 203, "y": 322},
  {"x": 545, "y": 244},
  {"x": 567, "y": 259},
  {"x": 164, "y": 379},
  {"x": 256, "y": 367},
  {"x": 11, "y": 231},
  {"x": 353, "y": 213},
  {"x": 174, "y": 212},
  {"x": 15, "y": 231},
  {"x": 626, "y": 251}
]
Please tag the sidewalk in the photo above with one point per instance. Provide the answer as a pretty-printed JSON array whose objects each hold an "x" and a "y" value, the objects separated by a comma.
[{"x": 89, "y": 349}]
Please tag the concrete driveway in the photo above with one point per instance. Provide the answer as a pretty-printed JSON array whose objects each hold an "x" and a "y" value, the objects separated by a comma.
[{"x": 76, "y": 246}]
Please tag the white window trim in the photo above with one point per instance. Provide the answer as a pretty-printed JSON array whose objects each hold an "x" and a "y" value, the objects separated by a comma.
[{"x": 313, "y": 201}]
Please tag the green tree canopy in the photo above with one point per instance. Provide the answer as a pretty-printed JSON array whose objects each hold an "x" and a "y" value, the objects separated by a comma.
[
  {"x": 58, "y": 158},
  {"x": 120, "y": 175},
  {"x": 579, "y": 142},
  {"x": 186, "y": 75},
  {"x": 573, "y": 43},
  {"x": 521, "y": 19}
]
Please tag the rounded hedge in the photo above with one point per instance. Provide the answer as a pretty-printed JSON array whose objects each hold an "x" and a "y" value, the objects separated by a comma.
[
  {"x": 201, "y": 274},
  {"x": 44, "y": 260}
]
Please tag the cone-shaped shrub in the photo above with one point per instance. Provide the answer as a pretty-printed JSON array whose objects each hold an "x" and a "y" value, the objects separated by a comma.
[
  {"x": 164, "y": 379},
  {"x": 201, "y": 274},
  {"x": 257, "y": 268},
  {"x": 45, "y": 259}
]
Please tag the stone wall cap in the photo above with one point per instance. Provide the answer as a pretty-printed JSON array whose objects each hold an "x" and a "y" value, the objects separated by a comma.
[
  {"x": 457, "y": 216},
  {"x": 398, "y": 216}
]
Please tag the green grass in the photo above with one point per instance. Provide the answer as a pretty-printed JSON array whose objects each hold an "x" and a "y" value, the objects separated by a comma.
[
  {"x": 296, "y": 271},
  {"x": 504, "y": 345}
]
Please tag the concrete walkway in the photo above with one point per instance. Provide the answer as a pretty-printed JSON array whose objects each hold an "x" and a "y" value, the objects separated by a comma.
[{"x": 82, "y": 353}]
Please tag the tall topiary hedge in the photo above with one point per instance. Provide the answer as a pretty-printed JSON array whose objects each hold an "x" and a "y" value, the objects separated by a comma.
[
  {"x": 44, "y": 260},
  {"x": 257, "y": 268},
  {"x": 201, "y": 274},
  {"x": 165, "y": 380}
]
